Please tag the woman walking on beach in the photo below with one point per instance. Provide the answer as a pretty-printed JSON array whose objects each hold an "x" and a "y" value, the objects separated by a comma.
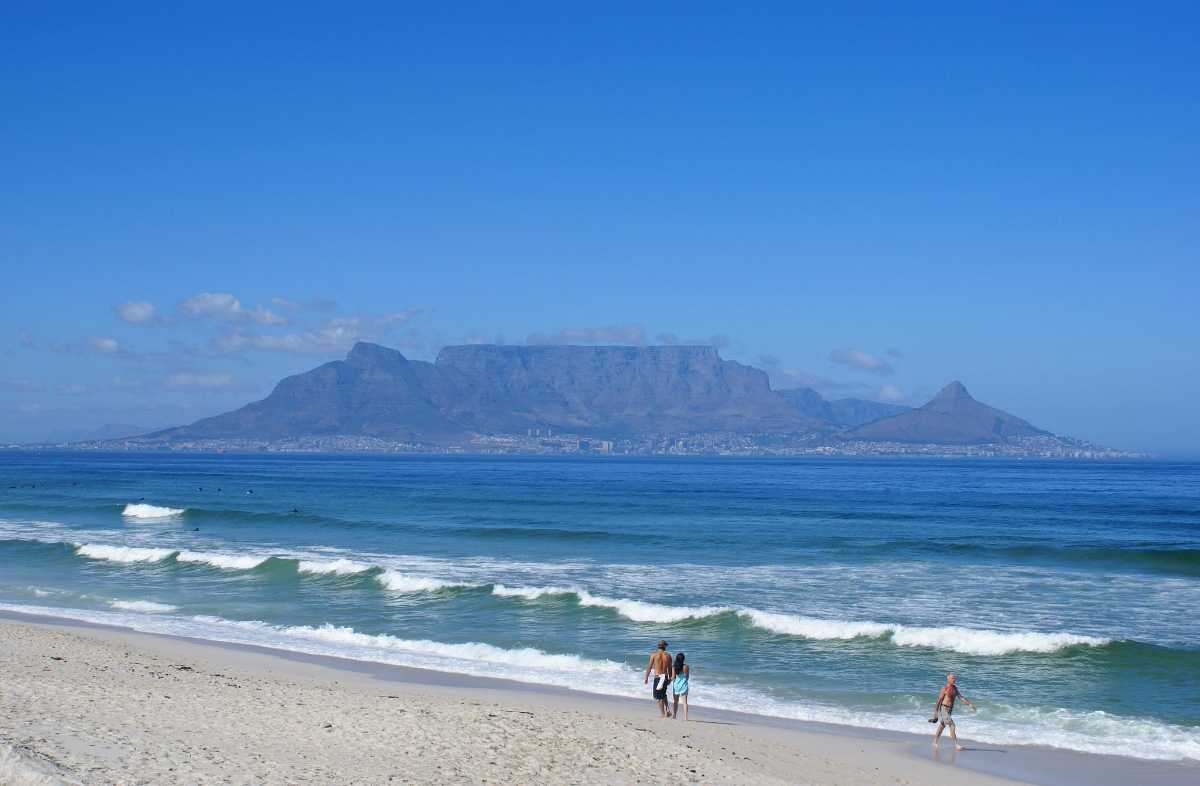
[{"x": 679, "y": 686}]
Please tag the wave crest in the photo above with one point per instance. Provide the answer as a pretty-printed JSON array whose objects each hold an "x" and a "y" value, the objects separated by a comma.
[
  {"x": 968, "y": 641},
  {"x": 122, "y": 553},
  {"x": 339, "y": 567},
  {"x": 402, "y": 582},
  {"x": 141, "y": 510},
  {"x": 224, "y": 561},
  {"x": 636, "y": 610},
  {"x": 147, "y": 606}
]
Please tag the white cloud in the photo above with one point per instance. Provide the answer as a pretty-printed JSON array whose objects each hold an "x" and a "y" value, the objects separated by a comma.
[
  {"x": 782, "y": 378},
  {"x": 198, "y": 380},
  {"x": 224, "y": 306},
  {"x": 138, "y": 312},
  {"x": 612, "y": 334},
  {"x": 890, "y": 393},
  {"x": 865, "y": 361},
  {"x": 105, "y": 345},
  {"x": 332, "y": 336}
]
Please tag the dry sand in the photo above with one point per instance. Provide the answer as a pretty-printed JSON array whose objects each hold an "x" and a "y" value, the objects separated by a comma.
[{"x": 107, "y": 706}]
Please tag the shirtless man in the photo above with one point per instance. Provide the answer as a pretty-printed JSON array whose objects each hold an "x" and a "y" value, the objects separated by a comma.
[
  {"x": 660, "y": 667},
  {"x": 943, "y": 711}
]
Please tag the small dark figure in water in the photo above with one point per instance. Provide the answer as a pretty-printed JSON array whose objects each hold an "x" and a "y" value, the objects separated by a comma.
[
  {"x": 251, "y": 491},
  {"x": 295, "y": 510},
  {"x": 195, "y": 529}
]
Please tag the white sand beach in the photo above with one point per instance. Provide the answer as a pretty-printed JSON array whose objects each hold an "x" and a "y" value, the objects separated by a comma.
[{"x": 93, "y": 705}]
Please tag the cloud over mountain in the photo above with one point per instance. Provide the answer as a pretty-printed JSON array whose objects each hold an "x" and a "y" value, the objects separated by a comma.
[{"x": 864, "y": 361}]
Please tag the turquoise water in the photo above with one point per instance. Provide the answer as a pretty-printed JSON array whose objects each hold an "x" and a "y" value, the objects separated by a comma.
[{"x": 1064, "y": 594}]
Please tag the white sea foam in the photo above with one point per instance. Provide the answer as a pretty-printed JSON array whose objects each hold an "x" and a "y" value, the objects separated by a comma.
[
  {"x": 17, "y": 769},
  {"x": 122, "y": 553},
  {"x": 141, "y": 510},
  {"x": 636, "y": 610},
  {"x": 956, "y": 639},
  {"x": 147, "y": 606},
  {"x": 997, "y": 723},
  {"x": 968, "y": 641},
  {"x": 224, "y": 561},
  {"x": 990, "y": 642},
  {"x": 529, "y": 593},
  {"x": 812, "y": 628},
  {"x": 341, "y": 567},
  {"x": 642, "y": 611},
  {"x": 403, "y": 582}
]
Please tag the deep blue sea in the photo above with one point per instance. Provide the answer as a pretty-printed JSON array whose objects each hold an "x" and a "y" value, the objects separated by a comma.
[{"x": 1065, "y": 595}]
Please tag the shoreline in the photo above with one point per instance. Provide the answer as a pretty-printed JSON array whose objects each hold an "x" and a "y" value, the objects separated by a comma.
[{"x": 775, "y": 740}]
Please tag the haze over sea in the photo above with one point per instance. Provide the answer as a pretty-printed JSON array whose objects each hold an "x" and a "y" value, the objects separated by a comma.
[{"x": 834, "y": 590}]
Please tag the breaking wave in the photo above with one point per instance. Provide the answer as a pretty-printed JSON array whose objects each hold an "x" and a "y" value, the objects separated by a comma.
[
  {"x": 147, "y": 606},
  {"x": 967, "y": 641},
  {"x": 141, "y": 510},
  {"x": 223, "y": 561},
  {"x": 636, "y": 610},
  {"x": 122, "y": 553},
  {"x": 396, "y": 581},
  {"x": 339, "y": 567}
]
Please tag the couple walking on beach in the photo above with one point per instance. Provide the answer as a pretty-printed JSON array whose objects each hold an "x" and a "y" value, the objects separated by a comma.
[{"x": 668, "y": 673}]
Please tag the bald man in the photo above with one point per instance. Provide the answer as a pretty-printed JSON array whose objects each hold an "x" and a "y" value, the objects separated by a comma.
[{"x": 943, "y": 711}]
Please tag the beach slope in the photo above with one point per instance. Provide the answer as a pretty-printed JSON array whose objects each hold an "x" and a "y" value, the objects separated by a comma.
[{"x": 106, "y": 706}]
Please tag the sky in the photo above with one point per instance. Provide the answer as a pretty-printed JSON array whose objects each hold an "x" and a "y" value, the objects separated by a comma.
[{"x": 199, "y": 199}]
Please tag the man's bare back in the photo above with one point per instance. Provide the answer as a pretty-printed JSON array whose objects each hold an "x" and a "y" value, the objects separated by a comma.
[{"x": 659, "y": 666}]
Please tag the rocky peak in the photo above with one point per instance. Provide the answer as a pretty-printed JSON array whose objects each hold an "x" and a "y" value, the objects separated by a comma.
[{"x": 955, "y": 391}]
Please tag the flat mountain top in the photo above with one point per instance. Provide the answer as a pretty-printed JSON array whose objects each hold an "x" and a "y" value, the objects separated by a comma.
[{"x": 491, "y": 389}]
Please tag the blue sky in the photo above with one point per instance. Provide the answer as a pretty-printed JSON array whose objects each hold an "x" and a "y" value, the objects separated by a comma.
[{"x": 870, "y": 199}]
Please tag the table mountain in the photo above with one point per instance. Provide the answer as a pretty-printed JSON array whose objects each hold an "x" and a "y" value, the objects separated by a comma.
[{"x": 378, "y": 392}]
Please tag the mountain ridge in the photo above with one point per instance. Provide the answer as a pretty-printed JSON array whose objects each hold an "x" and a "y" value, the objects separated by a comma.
[{"x": 595, "y": 392}]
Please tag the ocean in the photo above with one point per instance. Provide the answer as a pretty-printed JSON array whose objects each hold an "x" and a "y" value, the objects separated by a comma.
[{"x": 1064, "y": 594}]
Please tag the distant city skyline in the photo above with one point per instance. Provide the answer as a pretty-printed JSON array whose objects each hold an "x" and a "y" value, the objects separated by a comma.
[{"x": 199, "y": 204}]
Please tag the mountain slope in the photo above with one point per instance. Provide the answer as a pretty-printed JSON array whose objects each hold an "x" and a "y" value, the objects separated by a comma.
[
  {"x": 374, "y": 392},
  {"x": 377, "y": 392},
  {"x": 844, "y": 412},
  {"x": 952, "y": 417}
]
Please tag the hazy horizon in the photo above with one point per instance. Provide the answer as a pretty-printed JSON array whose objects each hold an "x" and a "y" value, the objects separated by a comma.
[{"x": 870, "y": 205}]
